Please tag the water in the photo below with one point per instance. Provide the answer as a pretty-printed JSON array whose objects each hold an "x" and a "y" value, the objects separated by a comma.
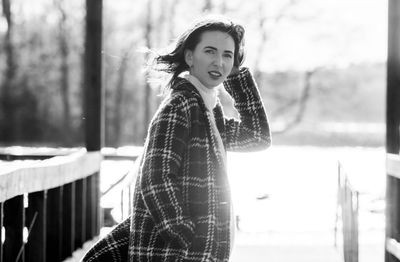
[
  {"x": 295, "y": 188},
  {"x": 288, "y": 188},
  {"x": 286, "y": 199}
]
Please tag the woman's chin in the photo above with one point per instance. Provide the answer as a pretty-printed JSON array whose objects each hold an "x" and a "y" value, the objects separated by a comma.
[{"x": 214, "y": 83}]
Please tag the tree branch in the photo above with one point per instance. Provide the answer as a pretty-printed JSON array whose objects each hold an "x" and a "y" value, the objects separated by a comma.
[{"x": 302, "y": 102}]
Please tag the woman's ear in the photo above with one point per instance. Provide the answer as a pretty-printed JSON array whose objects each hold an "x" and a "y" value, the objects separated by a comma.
[{"x": 189, "y": 57}]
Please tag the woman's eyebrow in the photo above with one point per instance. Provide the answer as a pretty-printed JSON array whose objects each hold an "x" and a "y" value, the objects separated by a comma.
[
  {"x": 211, "y": 47},
  {"x": 216, "y": 49}
]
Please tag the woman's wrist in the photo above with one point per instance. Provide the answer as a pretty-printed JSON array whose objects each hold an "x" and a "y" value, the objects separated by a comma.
[
  {"x": 242, "y": 71},
  {"x": 235, "y": 84},
  {"x": 235, "y": 71}
]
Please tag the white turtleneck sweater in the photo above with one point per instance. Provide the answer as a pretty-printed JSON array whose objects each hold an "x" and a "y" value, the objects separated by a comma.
[{"x": 209, "y": 96}]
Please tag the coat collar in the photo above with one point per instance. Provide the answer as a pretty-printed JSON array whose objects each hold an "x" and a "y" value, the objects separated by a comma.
[
  {"x": 209, "y": 95},
  {"x": 183, "y": 84}
]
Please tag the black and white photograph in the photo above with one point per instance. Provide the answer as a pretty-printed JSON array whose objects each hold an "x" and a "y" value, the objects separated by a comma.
[{"x": 200, "y": 131}]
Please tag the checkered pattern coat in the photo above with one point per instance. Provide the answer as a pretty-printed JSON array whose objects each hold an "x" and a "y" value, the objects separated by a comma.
[{"x": 182, "y": 200}]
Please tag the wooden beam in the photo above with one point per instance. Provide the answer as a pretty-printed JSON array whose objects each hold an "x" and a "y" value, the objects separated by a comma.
[
  {"x": 41, "y": 175},
  {"x": 54, "y": 223},
  {"x": 14, "y": 222},
  {"x": 393, "y": 247},
  {"x": 99, "y": 213},
  {"x": 80, "y": 211},
  {"x": 93, "y": 76},
  {"x": 68, "y": 220},
  {"x": 1, "y": 231},
  {"x": 393, "y": 80},
  {"x": 35, "y": 248},
  {"x": 393, "y": 165},
  {"x": 90, "y": 208},
  {"x": 392, "y": 123}
]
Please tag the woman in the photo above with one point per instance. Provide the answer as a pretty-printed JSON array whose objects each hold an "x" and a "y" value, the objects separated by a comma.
[{"x": 182, "y": 205}]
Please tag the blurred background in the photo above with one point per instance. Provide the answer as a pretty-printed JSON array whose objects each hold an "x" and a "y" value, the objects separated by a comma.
[
  {"x": 321, "y": 71},
  {"x": 320, "y": 67}
]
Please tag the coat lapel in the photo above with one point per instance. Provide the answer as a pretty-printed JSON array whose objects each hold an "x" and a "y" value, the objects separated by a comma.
[{"x": 184, "y": 85}]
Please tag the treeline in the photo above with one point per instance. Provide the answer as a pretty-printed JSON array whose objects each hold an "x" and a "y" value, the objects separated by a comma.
[
  {"x": 41, "y": 82},
  {"x": 40, "y": 79},
  {"x": 41, "y": 73}
]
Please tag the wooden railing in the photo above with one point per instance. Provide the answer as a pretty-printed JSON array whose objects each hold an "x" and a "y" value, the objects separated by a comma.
[
  {"x": 392, "y": 244},
  {"x": 348, "y": 205},
  {"x": 125, "y": 184},
  {"x": 50, "y": 207}
]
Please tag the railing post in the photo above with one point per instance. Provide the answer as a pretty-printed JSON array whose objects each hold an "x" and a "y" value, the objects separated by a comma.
[
  {"x": 355, "y": 227},
  {"x": 393, "y": 123},
  {"x": 346, "y": 228},
  {"x": 90, "y": 208},
  {"x": 35, "y": 249},
  {"x": 1, "y": 232},
  {"x": 54, "y": 223},
  {"x": 68, "y": 220},
  {"x": 98, "y": 210},
  {"x": 14, "y": 221},
  {"x": 94, "y": 109},
  {"x": 93, "y": 76},
  {"x": 80, "y": 211},
  {"x": 52, "y": 208},
  {"x": 88, "y": 233}
]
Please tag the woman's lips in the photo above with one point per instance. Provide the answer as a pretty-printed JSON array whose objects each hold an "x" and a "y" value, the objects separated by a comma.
[{"x": 215, "y": 74}]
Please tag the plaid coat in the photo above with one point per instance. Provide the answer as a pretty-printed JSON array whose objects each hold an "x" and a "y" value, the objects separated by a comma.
[{"x": 182, "y": 200}]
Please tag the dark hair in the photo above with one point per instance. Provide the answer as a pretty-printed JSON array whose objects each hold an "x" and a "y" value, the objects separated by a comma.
[{"x": 174, "y": 62}]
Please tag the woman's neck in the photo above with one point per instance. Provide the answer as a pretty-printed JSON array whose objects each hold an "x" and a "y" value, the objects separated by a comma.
[{"x": 209, "y": 95}]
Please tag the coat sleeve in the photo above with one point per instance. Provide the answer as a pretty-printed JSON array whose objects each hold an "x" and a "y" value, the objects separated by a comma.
[
  {"x": 251, "y": 132},
  {"x": 161, "y": 187}
]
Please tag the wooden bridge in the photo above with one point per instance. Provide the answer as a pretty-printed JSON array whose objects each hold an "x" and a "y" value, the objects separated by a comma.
[
  {"x": 56, "y": 199},
  {"x": 49, "y": 206}
]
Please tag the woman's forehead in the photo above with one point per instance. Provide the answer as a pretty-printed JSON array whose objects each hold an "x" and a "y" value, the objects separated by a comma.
[{"x": 217, "y": 39}]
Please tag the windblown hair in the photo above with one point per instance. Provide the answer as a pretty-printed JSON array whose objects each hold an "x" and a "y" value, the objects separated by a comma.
[{"x": 174, "y": 61}]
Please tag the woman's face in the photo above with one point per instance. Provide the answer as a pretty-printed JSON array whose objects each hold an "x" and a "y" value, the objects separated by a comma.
[{"x": 212, "y": 59}]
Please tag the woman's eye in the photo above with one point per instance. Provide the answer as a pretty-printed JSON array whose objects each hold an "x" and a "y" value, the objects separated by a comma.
[{"x": 228, "y": 55}]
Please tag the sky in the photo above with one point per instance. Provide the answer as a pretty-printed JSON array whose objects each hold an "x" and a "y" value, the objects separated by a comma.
[
  {"x": 333, "y": 33},
  {"x": 326, "y": 33}
]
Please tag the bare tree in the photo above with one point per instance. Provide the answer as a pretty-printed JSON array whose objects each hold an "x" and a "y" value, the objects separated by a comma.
[
  {"x": 262, "y": 24},
  {"x": 287, "y": 103},
  {"x": 161, "y": 22},
  {"x": 118, "y": 99},
  {"x": 64, "y": 67},
  {"x": 208, "y": 6},
  {"x": 171, "y": 17},
  {"x": 301, "y": 103},
  {"x": 261, "y": 46},
  {"x": 7, "y": 101},
  {"x": 224, "y": 7},
  {"x": 147, "y": 87}
]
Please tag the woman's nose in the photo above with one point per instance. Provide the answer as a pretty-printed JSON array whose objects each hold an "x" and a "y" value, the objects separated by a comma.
[{"x": 218, "y": 60}]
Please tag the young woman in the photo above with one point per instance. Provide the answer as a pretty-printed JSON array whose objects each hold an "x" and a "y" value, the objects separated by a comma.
[{"x": 182, "y": 204}]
